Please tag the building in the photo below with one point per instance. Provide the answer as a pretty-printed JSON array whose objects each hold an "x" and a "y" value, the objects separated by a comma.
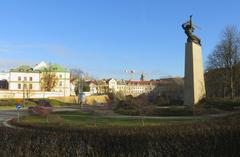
[
  {"x": 28, "y": 82},
  {"x": 24, "y": 78},
  {"x": 137, "y": 87},
  {"x": 61, "y": 73},
  {"x": 128, "y": 87}
]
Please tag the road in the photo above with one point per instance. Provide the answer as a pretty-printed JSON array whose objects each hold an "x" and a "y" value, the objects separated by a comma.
[{"x": 9, "y": 114}]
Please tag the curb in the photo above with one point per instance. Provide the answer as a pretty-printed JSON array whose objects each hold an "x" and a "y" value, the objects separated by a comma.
[{"x": 6, "y": 124}]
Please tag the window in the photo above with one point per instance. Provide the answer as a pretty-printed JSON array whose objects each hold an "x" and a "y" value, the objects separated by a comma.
[
  {"x": 19, "y": 78},
  {"x": 25, "y": 78},
  {"x": 60, "y": 83},
  {"x": 60, "y": 75},
  {"x": 19, "y": 86},
  {"x": 30, "y": 78},
  {"x": 30, "y": 86},
  {"x": 24, "y": 86}
]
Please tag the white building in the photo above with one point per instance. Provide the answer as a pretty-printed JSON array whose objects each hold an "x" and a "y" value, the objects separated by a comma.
[
  {"x": 26, "y": 81},
  {"x": 62, "y": 74},
  {"x": 130, "y": 87},
  {"x": 112, "y": 85}
]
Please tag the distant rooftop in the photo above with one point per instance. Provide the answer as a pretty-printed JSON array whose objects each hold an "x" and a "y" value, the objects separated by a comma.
[
  {"x": 22, "y": 68},
  {"x": 43, "y": 66},
  {"x": 58, "y": 68}
]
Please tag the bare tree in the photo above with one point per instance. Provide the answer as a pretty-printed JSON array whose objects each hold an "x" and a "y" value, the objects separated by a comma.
[
  {"x": 78, "y": 78},
  {"x": 226, "y": 57},
  {"x": 76, "y": 73}
]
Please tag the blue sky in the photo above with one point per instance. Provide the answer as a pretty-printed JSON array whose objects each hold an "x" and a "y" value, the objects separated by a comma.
[{"x": 105, "y": 37}]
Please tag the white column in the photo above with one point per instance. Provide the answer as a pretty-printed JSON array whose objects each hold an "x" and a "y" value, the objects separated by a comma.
[{"x": 194, "y": 84}]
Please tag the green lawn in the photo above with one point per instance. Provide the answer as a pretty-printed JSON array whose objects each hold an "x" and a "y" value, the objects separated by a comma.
[
  {"x": 7, "y": 104},
  {"x": 7, "y": 107},
  {"x": 13, "y": 107},
  {"x": 88, "y": 119}
]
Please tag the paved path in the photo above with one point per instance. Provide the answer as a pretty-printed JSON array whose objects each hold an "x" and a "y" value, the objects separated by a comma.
[
  {"x": 164, "y": 117},
  {"x": 9, "y": 114},
  {"x": 111, "y": 114}
]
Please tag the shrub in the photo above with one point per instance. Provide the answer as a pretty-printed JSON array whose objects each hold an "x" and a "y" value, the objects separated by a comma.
[
  {"x": 184, "y": 140},
  {"x": 220, "y": 103},
  {"x": 126, "y": 108},
  {"x": 172, "y": 111}
]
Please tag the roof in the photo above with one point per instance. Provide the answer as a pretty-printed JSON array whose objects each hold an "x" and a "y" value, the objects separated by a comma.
[
  {"x": 58, "y": 68},
  {"x": 140, "y": 82},
  {"x": 121, "y": 82},
  {"x": 40, "y": 68},
  {"x": 52, "y": 68},
  {"x": 160, "y": 82},
  {"x": 23, "y": 68}
]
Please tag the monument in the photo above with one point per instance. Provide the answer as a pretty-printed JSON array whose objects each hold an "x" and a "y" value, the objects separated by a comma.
[{"x": 194, "y": 85}]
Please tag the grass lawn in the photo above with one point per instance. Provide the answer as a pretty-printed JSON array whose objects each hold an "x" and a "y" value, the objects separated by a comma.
[
  {"x": 13, "y": 107},
  {"x": 7, "y": 104},
  {"x": 88, "y": 119},
  {"x": 7, "y": 107}
]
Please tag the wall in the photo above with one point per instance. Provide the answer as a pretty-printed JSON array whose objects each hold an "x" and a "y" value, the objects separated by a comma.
[
  {"x": 13, "y": 80},
  {"x": 63, "y": 84},
  {"x": 31, "y": 94}
]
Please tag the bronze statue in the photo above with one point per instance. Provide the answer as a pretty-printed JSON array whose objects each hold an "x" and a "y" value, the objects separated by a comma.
[{"x": 189, "y": 29}]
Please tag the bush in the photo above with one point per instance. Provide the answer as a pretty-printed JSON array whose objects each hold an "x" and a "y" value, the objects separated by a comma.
[
  {"x": 86, "y": 88},
  {"x": 185, "y": 140},
  {"x": 172, "y": 111},
  {"x": 126, "y": 108},
  {"x": 13, "y": 102},
  {"x": 142, "y": 106},
  {"x": 220, "y": 103}
]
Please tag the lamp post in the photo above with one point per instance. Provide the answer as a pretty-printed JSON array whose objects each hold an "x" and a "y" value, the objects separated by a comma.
[
  {"x": 24, "y": 85},
  {"x": 81, "y": 92}
]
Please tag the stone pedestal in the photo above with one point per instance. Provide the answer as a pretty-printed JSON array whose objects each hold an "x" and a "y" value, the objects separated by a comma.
[{"x": 194, "y": 85}]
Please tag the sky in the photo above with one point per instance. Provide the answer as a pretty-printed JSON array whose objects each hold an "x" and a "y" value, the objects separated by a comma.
[{"x": 106, "y": 37}]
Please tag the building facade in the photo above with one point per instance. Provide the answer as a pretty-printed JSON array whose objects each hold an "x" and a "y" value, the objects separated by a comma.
[
  {"x": 26, "y": 81},
  {"x": 128, "y": 87}
]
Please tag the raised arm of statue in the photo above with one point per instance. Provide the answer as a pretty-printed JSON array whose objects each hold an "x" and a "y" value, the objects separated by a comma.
[{"x": 189, "y": 29}]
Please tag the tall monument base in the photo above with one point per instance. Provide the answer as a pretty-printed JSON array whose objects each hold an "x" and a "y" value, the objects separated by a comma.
[{"x": 194, "y": 85}]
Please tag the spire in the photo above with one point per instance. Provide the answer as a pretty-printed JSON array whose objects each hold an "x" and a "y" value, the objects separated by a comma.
[{"x": 142, "y": 77}]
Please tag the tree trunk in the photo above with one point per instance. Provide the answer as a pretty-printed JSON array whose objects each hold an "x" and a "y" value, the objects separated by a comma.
[{"x": 231, "y": 83}]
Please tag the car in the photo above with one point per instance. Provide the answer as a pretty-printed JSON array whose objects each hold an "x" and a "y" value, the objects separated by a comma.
[{"x": 40, "y": 109}]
